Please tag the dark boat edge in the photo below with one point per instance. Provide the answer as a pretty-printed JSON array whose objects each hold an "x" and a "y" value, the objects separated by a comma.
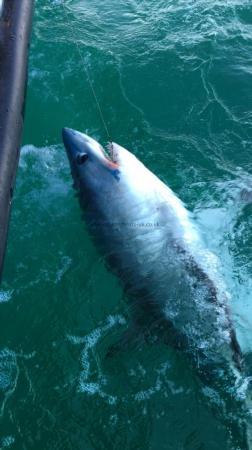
[{"x": 15, "y": 31}]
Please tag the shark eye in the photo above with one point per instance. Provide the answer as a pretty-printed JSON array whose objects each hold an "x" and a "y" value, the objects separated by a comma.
[{"x": 81, "y": 158}]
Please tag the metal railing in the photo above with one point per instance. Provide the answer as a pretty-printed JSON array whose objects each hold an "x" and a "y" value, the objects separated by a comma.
[
  {"x": 1, "y": 7},
  {"x": 14, "y": 45}
]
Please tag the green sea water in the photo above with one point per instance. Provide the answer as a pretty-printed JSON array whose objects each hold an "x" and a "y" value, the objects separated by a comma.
[{"x": 174, "y": 82}]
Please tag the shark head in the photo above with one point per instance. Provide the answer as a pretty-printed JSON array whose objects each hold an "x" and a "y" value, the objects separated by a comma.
[{"x": 92, "y": 167}]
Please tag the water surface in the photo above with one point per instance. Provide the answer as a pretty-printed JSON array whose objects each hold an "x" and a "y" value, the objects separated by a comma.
[{"x": 174, "y": 82}]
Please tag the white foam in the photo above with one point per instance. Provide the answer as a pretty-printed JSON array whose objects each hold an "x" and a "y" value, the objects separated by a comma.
[
  {"x": 9, "y": 373},
  {"x": 88, "y": 358},
  {"x": 8, "y": 369},
  {"x": 94, "y": 388},
  {"x": 5, "y": 296},
  {"x": 65, "y": 264},
  {"x": 45, "y": 157},
  {"x": 146, "y": 394},
  {"x": 7, "y": 441}
]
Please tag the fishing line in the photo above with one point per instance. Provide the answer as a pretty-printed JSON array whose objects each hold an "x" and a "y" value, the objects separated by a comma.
[{"x": 91, "y": 85}]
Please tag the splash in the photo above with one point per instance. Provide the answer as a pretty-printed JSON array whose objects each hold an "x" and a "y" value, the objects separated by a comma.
[{"x": 5, "y": 295}]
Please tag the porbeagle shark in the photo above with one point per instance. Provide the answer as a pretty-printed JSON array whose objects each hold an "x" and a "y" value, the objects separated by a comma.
[{"x": 172, "y": 281}]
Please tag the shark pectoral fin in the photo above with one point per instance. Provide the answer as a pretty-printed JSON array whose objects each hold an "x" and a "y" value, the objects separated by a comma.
[
  {"x": 164, "y": 332},
  {"x": 157, "y": 332},
  {"x": 131, "y": 339}
]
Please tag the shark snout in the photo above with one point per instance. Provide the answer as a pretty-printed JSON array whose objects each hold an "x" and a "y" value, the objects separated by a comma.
[
  {"x": 77, "y": 145},
  {"x": 72, "y": 137},
  {"x": 68, "y": 136}
]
